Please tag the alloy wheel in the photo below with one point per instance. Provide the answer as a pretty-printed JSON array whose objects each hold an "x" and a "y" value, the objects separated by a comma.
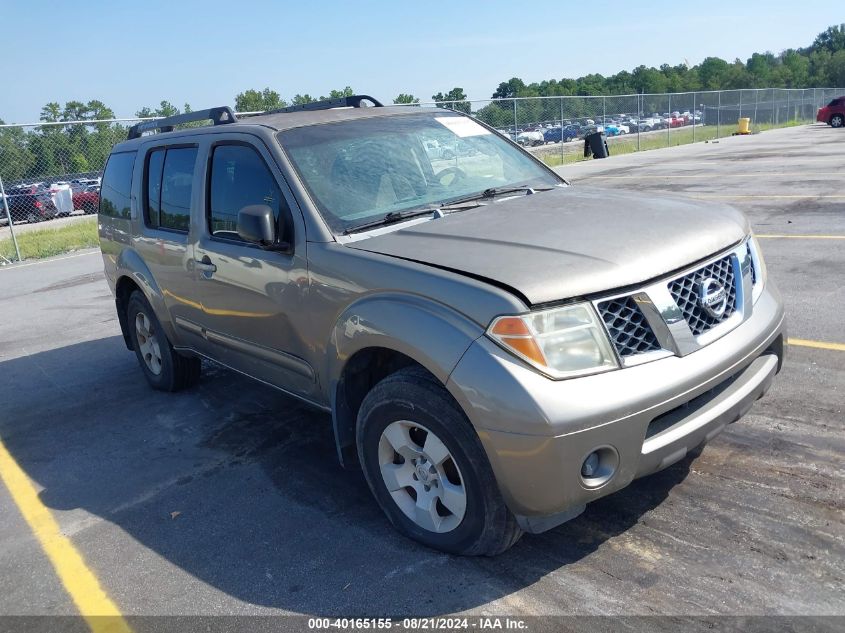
[
  {"x": 422, "y": 476},
  {"x": 148, "y": 343}
]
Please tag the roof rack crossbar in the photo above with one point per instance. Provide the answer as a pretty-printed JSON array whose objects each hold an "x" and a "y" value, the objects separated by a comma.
[
  {"x": 355, "y": 101},
  {"x": 218, "y": 116}
]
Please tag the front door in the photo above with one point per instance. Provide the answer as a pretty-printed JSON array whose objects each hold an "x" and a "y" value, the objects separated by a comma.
[{"x": 247, "y": 300}]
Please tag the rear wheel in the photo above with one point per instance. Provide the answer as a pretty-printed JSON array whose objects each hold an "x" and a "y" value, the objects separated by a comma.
[
  {"x": 837, "y": 120},
  {"x": 427, "y": 469},
  {"x": 164, "y": 368}
]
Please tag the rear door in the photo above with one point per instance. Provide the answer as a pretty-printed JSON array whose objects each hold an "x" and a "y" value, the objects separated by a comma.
[
  {"x": 170, "y": 186},
  {"x": 247, "y": 300}
]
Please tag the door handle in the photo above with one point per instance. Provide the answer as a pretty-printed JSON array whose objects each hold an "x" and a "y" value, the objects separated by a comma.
[{"x": 206, "y": 268}]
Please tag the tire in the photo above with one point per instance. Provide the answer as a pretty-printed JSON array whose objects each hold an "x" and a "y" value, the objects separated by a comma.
[
  {"x": 164, "y": 368},
  {"x": 413, "y": 402},
  {"x": 837, "y": 120},
  {"x": 33, "y": 218}
]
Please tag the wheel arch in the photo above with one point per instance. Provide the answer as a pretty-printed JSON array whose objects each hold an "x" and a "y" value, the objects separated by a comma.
[
  {"x": 133, "y": 274},
  {"x": 380, "y": 335}
]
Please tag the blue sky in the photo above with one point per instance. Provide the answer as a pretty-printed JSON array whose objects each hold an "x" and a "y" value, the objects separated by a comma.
[{"x": 204, "y": 53}]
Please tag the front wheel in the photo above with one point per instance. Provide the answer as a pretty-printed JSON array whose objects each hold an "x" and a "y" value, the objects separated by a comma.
[
  {"x": 837, "y": 120},
  {"x": 427, "y": 469}
]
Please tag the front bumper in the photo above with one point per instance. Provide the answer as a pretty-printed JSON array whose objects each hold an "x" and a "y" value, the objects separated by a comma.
[{"x": 537, "y": 432}]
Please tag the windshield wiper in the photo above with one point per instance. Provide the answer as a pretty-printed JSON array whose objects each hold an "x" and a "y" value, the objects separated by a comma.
[
  {"x": 492, "y": 192},
  {"x": 389, "y": 218}
]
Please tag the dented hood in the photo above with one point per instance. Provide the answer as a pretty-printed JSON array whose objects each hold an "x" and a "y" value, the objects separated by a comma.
[{"x": 568, "y": 242}]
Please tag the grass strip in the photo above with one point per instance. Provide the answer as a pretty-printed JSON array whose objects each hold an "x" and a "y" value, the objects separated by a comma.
[{"x": 47, "y": 242}]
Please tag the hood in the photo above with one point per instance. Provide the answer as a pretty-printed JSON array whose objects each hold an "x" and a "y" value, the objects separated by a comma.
[{"x": 568, "y": 242}]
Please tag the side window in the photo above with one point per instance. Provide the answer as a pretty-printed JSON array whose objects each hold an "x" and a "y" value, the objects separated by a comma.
[
  {"x": 117, "y": 185},
  {"x": 239, "y": 177},
  {"x": 155, "y": 161},
  {"x": 170, "y": 177}
]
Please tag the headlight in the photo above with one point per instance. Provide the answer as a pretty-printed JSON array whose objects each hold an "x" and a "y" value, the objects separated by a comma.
[{"x": 561, "y": 342}]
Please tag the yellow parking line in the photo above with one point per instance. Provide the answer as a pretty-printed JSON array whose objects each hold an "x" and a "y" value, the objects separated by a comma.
[
  {"x": 801, "y": 342},
  {"x": 79, "y": 581},
  {"x": 802, "y": 237}
]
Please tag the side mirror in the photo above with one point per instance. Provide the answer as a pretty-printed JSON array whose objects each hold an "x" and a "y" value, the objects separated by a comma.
[{"x": 256, "y": 224}]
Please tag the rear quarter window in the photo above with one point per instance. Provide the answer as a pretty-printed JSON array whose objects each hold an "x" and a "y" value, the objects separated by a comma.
[{"x": 117, "y": 185}]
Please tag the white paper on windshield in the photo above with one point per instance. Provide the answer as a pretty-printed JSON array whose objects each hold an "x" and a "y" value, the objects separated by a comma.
[{"x": 462, "y": 126}]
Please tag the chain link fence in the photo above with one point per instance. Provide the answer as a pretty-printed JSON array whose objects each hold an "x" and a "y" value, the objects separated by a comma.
[{"x": 53, "y": 170}]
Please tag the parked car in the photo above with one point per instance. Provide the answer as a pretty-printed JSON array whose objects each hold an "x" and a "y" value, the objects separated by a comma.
[
  {"x": 615, "y": 129},
  {"x": 30, "y": 203},
  {"x": 81, "y": 183},
  {"x": 88, "y": 199},
  {"x": 651, "y": 123},
  {"x": 833, "y": 113},
  {"x": 497, "y": 348},
  {"x": 530, "y": 138},
  {"x": 556, "y": 134}
]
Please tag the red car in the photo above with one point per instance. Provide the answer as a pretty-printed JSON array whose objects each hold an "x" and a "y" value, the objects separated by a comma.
[
  {"x": 833, "y": 113},
  {"x": 88, "y": 199}
]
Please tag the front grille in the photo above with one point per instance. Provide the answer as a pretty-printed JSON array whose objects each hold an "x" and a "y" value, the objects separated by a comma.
[
  {"x": 685, "y": 293},
  {"x": 628, "y": 329}
]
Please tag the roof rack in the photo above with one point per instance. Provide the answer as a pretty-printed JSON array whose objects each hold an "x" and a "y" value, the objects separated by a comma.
[
  {"x": 355, "y": 101},
  {"x": 218, "y": 116}
]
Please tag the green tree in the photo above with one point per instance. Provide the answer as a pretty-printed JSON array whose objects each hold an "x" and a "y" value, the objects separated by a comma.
[
  {"x": 339, "y": 94},
  {"x": 259, "y": 101},
  {"x": 300, "y": 99},
  {"x": 513, "y": 87},
  {"x": 831, "y": 40},
  {"x": 836, "y": 68},
  {"x": 403, "y": 98},
  {"x": 454, "y": 99},
  {"x": 164, "y": 109},
  {"x": 16, "y": 159},
  {"x": 51, "y": 112}
]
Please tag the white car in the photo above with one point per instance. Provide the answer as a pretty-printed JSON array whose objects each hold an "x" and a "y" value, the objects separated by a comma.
[
  {"x": 530, "y": 138},
  {"x": 79, "y": 184}
]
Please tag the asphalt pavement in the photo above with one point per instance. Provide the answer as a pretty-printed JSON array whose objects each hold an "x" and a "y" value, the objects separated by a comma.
[{"x": 227, "y": 499}]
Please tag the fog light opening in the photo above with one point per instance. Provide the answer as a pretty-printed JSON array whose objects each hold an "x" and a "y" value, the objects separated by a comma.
[
  {"x": 599, "y": 466},
  {"x": 590, "y": 465}
]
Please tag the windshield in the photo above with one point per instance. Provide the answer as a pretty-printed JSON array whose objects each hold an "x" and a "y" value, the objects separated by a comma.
[{"x": 360, "y": 170}]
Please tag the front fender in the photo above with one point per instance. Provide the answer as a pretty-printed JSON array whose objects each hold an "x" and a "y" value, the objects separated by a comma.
[
  {"x": 433, "y": 334},
  {"x": 430, "y": 333}
]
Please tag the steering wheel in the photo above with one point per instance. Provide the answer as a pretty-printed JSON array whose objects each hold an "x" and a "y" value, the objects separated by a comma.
[{"x": 457, "y": 174}]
